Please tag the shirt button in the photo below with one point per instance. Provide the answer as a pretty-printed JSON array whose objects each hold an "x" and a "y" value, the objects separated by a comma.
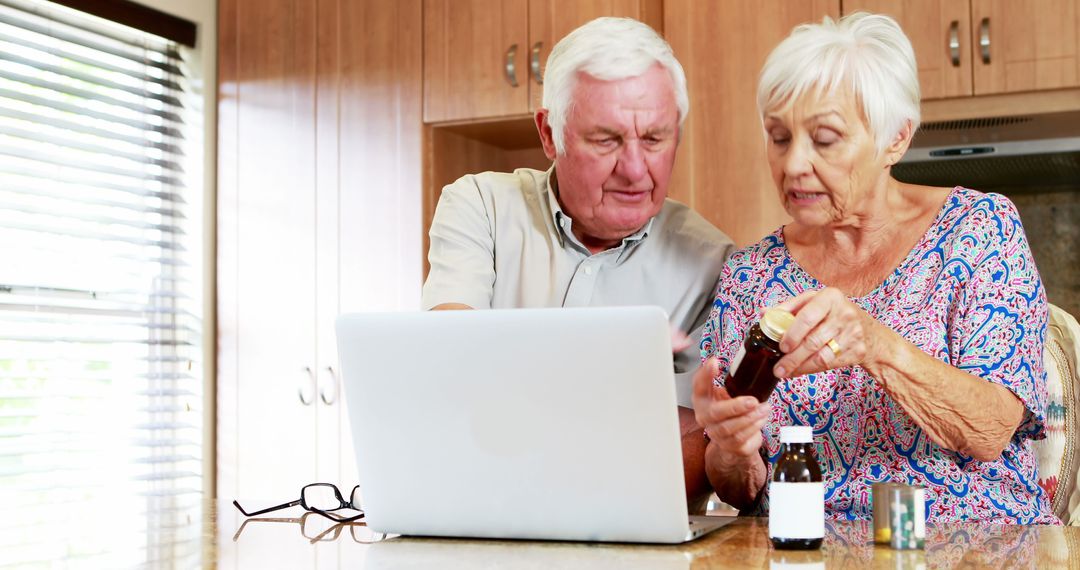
[{"x": 588, "y": 270}]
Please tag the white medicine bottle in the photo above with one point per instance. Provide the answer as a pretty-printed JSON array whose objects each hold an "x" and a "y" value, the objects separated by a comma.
[{"x": 796, "y": 493}]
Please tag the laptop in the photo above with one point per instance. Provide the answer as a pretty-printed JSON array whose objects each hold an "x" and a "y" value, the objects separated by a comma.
[{"x": 550, "y": 424}]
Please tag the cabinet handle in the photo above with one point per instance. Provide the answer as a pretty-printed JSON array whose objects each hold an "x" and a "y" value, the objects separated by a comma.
[
  {"x": 333, "y": 382},
  {"x": 954, "y": 43},
  {"x": 984, "y": 39},
  {"x": 534, "y": 63},
  {"x": 511, "y": 70},
  {"x": 307, "y": 400}
]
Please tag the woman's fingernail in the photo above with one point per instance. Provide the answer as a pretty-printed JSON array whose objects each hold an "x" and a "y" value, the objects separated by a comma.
[{"x": 780, "y": 372}]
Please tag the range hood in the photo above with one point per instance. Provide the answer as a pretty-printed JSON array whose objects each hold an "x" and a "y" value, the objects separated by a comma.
[{"x": 993, "y": 153}]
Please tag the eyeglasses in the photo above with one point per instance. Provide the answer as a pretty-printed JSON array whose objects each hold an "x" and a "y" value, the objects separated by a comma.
[{"x": 320, "y": 498}]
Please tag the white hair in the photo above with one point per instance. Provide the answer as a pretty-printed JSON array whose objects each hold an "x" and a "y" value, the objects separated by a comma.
[
  {"x": 608, "y": 49},
  {"x": 866, "y": 53}
]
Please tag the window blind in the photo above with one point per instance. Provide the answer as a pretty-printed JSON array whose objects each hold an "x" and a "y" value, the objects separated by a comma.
[{"x": 101, "y": 378}]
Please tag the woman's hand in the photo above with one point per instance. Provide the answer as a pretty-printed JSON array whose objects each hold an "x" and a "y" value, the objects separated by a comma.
[
  {"x": 733, "y": 424},
  {"x": 732, "y": 463},
  {"x": 829, "y": 332}
]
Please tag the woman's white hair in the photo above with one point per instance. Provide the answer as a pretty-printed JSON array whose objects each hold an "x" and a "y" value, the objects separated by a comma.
[
  {"x": 608, "y": 49},
  {"x": 865, "y": 53}
]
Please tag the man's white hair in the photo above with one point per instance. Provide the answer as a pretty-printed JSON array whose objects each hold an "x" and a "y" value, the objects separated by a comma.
[
  {"x": 608, "y": 49},
  {"x": 867, "y": 54}
]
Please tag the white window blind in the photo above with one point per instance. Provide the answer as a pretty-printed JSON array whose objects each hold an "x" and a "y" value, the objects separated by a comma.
[{"x": 101, "y": 378}]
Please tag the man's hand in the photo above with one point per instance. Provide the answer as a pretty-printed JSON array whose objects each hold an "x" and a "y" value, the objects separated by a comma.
[
  {"x": 451, "y": 307},
  {"x": 680, "y": 341}
]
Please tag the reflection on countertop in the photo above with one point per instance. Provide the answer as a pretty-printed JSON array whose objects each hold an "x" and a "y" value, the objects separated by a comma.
[{"x": 306, "y": 541}]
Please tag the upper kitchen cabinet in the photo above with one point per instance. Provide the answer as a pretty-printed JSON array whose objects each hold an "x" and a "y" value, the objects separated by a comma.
[
  {"x": 1025, "y": 45},
  {"x": 484, "y": 59},
  {"x": 985, "y": 47},
  {"x": 940, "y": 32}
]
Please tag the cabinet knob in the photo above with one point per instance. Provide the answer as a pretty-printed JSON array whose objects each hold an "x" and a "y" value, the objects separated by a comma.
[
  {"x": 534, "y": 63},
  {"x": 511, "y": 68},
  {"x": 307, "y": 396},
  {"x": 954, "y": 43},
  {"x": 984, "y": 40},
  {"x": 330, "y": 399}
]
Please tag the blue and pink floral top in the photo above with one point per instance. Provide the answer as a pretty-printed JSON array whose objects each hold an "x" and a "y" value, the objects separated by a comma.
[{"x": 968, "y": 294}]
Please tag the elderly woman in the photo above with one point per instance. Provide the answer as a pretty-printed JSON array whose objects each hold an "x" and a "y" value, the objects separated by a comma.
[{"x": 916, "y": 350}]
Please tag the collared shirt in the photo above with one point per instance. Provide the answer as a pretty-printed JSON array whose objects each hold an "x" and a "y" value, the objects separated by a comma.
[{"x": 501, "y": 240}]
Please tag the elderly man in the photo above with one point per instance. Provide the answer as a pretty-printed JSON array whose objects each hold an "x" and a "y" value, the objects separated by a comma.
[{"x": 596, "y": 228}]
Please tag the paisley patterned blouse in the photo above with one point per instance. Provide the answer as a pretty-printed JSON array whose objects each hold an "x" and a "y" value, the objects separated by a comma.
[{"x": 968, "y": 294}]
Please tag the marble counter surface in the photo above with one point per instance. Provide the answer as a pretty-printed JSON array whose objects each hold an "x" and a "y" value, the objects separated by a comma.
[{"x": 296, "y": 540}]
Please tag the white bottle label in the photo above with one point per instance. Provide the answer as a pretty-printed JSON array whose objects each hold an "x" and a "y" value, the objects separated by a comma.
[
  {"x": 736, "y": 360},
  {"x": 796, "y": 510}
]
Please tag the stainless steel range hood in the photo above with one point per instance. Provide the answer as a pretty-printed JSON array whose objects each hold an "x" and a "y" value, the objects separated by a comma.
[{"x": 993, "y": 153}]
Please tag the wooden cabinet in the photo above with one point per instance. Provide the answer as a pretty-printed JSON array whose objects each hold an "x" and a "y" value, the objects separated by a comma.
[
  {"x": 1029, "y": 45},
  {"x": 475, "y": 59},
  {"x": 721, "y": 169},
  {"x": 319, "y": 138},
  {"x": 268, "y": 445},
  {"x": 940, "y": 33},
  {"x": 984, "y": 47},
  {"x": 484, "y": 58}
]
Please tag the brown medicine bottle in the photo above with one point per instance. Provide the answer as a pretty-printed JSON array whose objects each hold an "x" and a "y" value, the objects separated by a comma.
[
  {"x": 796, "y": 493},
  {"x": 750, "y": 373}
]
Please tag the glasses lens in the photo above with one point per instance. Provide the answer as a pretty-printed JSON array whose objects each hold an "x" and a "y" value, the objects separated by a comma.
[
  {"x": 364, "y": 535},
  {"x": 322, "y": 497},
  {"x": 354, "y": 498},
  {"x": 313, "y": 526}
]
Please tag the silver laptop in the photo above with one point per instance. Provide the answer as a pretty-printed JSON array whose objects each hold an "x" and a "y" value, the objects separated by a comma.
[{"x": 556, "y": 424}]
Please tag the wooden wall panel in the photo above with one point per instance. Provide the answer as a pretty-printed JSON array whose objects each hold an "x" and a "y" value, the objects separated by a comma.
[
  {"x": 380, "y": 155},
  {"x": 721, "y": 170}
]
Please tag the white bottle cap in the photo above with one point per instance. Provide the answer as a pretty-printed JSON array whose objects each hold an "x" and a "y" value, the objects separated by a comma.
[{"x": 796, "y": 434}]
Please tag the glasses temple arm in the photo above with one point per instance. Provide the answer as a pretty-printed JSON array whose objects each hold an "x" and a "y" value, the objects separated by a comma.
[{"x": 282, "y": 506}]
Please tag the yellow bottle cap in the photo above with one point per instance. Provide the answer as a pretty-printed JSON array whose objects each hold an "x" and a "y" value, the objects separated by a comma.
[{"x": 775, "y": 322}]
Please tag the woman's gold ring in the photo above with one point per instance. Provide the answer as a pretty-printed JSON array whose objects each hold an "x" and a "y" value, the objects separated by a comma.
[{"x": 835, "y": 346}]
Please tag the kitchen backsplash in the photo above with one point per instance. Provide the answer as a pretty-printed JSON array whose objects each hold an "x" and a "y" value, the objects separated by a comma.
[{"x": 1051, "y": 220}]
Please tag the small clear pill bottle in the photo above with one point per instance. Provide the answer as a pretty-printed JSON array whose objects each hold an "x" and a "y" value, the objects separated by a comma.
[
  {"x": 751, "y": 371},
  {"x": 796, "y": 493}
]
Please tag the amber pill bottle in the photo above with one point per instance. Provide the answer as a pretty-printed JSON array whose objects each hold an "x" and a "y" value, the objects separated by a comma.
[
  {"x": 796, "y": 493},
  {"x": 750, "y": 373}
]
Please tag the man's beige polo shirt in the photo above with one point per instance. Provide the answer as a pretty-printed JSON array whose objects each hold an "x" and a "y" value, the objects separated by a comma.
[{"x": 500, "y": 240}]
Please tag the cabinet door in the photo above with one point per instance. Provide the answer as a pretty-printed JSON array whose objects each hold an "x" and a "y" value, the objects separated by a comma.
[
  {"x": 551, "y": 20},
  {"x": 266, "y": 259},
  {"x": 1025, "y": 45},
  {"x": 379, "y": 255},
  {"x": 940, "y": 33},
  {"x": 721, "y": 170},
  {"x": 275, "y": 249},
  {"x": 468, "y": 46}
]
